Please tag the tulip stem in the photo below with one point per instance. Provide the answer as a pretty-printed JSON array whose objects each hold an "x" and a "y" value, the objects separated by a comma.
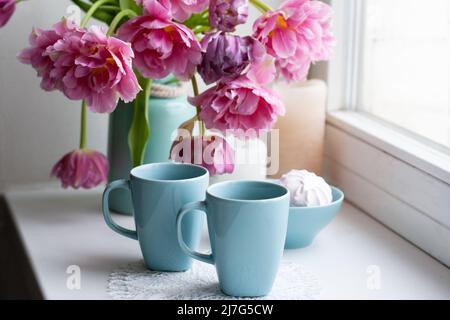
[
  {"x": 195, "y": 88},
  {"x": 196, "y": 93},
  {"x": 261, "y": 6},
  {"x": 116, "y": 21},
  {"x": 83, "y": 126},
  {"x": 92, "y": 10}
]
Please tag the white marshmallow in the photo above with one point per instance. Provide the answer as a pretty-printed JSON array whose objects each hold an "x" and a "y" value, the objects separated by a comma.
[{"x": 307, "y": 189}]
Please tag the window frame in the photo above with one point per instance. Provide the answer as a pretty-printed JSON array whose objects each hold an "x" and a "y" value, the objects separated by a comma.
[{"x": 351, "y": 130}]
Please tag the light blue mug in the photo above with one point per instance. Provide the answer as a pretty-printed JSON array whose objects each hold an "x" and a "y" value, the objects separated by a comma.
[
  {"x": 158, "y": 191},
  {"x": 247, "y": 223}
]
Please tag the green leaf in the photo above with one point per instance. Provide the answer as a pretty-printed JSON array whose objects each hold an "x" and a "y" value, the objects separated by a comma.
[
  {"x": 83, "y": 5},
  {"x": 197, "y": 19},
  {"x": 130, "y": 4},
  {"x": 140, "y": 127},
  {"x": 100, "y": 14},
  {"x": 124, "y": 4},
  {"x": 110, "y": 9},
  {"x": 135, "y": 7}
]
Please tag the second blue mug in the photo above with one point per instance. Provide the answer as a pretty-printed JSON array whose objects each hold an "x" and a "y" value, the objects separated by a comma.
[
  {"x": 247, "y": 223},
  {"x": 158, "y": 191}
]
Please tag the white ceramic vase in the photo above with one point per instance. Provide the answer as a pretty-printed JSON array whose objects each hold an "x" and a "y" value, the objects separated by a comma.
[{"x": 250, "y": 161}]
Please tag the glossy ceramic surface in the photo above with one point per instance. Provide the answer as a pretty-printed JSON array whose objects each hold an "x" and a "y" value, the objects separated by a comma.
[
  {"x": 158, "y": 191},
  {"x": 306, "y": 223},
  {"x": 247, "y": 222}
]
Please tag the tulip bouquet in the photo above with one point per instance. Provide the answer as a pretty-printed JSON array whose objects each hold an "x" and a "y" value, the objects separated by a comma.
[{"x": 151, "y": 39}]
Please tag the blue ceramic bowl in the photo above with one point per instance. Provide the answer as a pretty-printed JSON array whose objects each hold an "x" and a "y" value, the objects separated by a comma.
[{"x": 305, "y": 223}]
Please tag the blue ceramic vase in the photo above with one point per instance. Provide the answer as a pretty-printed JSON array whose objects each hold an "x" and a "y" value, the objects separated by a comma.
[{"x": 165, "y": 116}]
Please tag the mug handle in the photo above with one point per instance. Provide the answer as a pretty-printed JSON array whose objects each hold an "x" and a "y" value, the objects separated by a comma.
[
  {"x": 119, "y": 184},
  {"x": 207, "y": 258}
]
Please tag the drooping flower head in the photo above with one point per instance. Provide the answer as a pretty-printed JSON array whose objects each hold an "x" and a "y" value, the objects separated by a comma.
[
  {"x": 179, "y": 9},
  {"x": 297, "y": 34},
  {"x": 7, "y": 8},
  {"x": 83, "y": 64},
  {"x": 240, "y": 106},
  {"x": 36, "y": 54},
  {"x": 212, "y": 152},
  {"x": 161, "y": 46},
  {"x": 81, "y": 169},
  {"x": 225, "y": 15}
]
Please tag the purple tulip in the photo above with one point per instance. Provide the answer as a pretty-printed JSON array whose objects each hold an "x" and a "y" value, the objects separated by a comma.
[
  {"x": 225, "y": 15},
  {"x": 224, "y": 56}
]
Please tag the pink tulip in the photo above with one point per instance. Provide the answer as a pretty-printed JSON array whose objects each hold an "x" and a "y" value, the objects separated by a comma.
[
  {"x": 157, "y": 8},
  {"x": 96, "y": 68},
  {"x": 162, "y": 46},
  {"x": 297, "y": 34},
  {"x": 179, "y": 9},
  {"x": 183, "y": 9},
  {"x": 83, "y": 64},
  {"x": 7, "y": 8},
  {"x": 36, "y": 56},
  {"x": 296, "y": 67},
  {"x": 262, "y": 67},
  {"x": 240, "y": 105},
  {"x": 81, "y": 169},
  {"x": 213, "y": 153}
]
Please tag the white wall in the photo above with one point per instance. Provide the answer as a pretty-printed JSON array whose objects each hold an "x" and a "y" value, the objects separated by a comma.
[{"x": 37, "y": 127}]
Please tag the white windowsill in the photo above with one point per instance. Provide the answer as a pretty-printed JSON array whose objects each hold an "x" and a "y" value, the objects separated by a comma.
[
  {"x": 397, "y": 144},
  {"x": 60, "y": 228},
  {"x": 399, "y": 181}
]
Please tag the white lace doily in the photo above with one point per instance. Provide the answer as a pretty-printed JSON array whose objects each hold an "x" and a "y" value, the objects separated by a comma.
[{"x": 135, "y": 282}]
